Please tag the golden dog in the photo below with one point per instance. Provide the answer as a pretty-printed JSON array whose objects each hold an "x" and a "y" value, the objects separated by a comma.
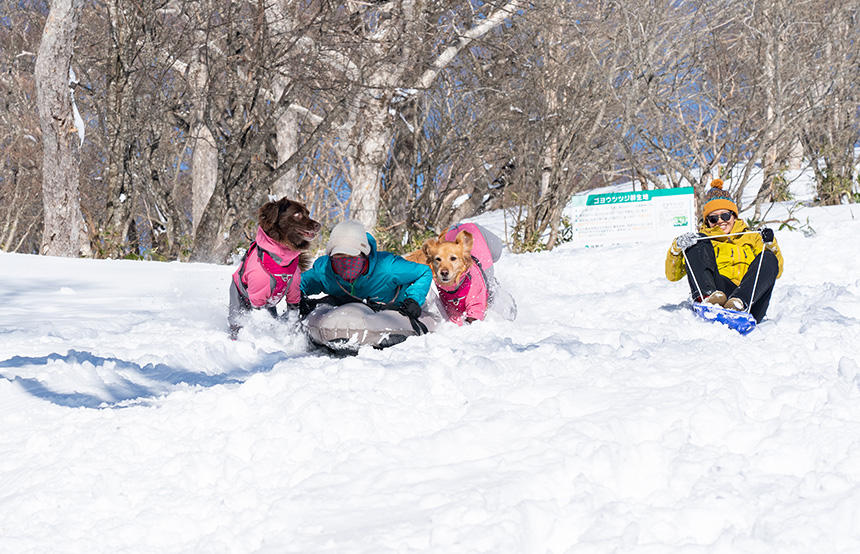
[{"x": 449, "y": 260}]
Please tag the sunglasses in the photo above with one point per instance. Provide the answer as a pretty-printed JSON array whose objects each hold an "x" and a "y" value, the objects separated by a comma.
[{"x": 713, "y": 219}]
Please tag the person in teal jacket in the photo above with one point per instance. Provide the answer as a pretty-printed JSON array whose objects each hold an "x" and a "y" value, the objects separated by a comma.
[{"x": 354, "y": 271}]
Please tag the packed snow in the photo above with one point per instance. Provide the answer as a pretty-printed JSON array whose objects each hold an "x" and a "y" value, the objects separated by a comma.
[{"x": 606, "y": 418}]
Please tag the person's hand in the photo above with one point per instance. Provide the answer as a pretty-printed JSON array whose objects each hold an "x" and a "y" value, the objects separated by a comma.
[
  {"x": 306, "y": 306},
  {"x": 767, "y": 234},
  {"x": 686, "y": 241},
  {"x": 410, "y": 309}
]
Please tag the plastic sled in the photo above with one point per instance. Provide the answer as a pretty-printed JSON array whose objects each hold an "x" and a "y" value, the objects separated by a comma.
[{"x": 742, "y": 322}]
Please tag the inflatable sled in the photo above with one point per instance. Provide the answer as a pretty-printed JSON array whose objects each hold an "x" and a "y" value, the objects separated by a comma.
[
  {"x": 742, "y": 322},
  {"x": 346, "y": 328}
]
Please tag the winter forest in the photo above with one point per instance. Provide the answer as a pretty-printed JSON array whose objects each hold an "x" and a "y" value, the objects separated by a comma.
[
  {"x": 607, "y": 417},
  {"x": 156, "y": 128}
]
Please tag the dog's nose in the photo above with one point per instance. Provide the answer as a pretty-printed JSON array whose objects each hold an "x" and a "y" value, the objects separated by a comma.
[{"x": 443, "y": 272}]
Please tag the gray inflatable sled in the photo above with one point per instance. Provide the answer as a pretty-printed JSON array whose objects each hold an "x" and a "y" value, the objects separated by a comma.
[{"x": 346, "y": 328}]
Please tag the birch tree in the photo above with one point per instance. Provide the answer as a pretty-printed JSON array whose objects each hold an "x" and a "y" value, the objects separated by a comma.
[
  {"x": 63, "y": 233},
  {"x": 404, "y": 39},
  {"x": 204, "y": 161}
]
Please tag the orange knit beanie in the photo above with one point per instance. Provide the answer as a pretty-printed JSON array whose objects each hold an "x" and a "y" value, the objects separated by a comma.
[{"x": 718, "y": 199}]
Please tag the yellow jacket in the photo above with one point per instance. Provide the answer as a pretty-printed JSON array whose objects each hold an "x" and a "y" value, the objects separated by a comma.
[{"x": 734, "y": 254}]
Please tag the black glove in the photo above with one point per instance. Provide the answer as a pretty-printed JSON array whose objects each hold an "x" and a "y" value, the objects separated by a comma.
[
  {"x": 410, "y": 309},
  {"x": 306, "y": 306},
  {"x": 767, "y": 234}
]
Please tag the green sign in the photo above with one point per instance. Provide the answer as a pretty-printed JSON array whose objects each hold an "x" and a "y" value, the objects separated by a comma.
[
  {"x": 635, "y": 216},
  {"x": 634, "y": 196}
]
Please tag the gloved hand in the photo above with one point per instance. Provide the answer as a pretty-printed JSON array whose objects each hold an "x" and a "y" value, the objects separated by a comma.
[
  {"x": 686, "y": 241},
  {"x": 410, "y": 309},
  {"x": 767, "y": 234},
  {"x": 306, "y": 306}
]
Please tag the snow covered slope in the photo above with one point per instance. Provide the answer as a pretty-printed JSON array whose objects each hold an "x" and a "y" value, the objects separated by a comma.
[{"x": 604, "y": 419}]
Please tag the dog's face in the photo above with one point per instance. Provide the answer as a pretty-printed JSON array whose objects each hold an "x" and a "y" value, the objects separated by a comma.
[
  {"x": 289, "y": 223},
  {"x": 449, "y": 260}
]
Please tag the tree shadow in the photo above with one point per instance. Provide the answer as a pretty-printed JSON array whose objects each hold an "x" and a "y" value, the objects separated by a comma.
[{"x": 125, "y": 390}]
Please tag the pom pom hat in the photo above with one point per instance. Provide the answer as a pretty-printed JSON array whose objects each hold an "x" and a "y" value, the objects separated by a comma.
[
  {"x": 718, "y": 199},
  {"x": 348, "y": 237}
]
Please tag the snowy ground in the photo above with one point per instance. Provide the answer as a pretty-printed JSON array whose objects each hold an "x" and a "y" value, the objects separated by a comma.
[{"x": 604, "y": 419}]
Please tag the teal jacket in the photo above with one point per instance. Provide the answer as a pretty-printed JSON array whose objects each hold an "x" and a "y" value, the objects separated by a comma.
[{"x": 389, "y": 279}]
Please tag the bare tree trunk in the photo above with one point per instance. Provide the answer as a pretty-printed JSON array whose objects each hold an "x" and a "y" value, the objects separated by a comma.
[
  {"x": 120, "y": 124},
  {"x": 204, "y": 171},
  {"x": 370, "y": 142},
  {"x": 12, "y": 213},
  {"x": 287, "y": 142},
  {"x": 204, "y": 161},
  {"x": 63, "y": 223},
  {"x": 772, "y": 97},
  {"x": 279, "y": 19}
]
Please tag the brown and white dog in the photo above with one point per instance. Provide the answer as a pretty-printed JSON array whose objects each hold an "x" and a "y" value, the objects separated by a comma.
[
  {"x": 272, "y": 266},
  {"x": 288, "y": 222}
]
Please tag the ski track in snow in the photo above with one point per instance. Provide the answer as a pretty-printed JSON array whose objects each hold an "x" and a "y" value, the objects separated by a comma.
[{"x": 605, "y": 419}]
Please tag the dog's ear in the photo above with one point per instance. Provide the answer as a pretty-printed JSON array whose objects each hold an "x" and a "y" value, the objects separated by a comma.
[
  {"x": 428, "y": 247},
  {"x": 268, "y": 218},
  {"x": 465, "y": 239}
]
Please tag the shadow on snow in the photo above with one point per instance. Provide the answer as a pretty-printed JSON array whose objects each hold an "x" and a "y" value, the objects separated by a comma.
[{"x": 125, "y": 391}]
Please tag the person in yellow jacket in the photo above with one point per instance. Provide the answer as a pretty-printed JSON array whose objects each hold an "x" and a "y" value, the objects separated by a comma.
[{"x": 736, "y": 271}]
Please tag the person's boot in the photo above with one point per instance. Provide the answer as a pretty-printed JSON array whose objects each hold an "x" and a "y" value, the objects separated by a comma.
[
  {"x": 734, "y": 304},
  {"x": 717, "y": 297}
]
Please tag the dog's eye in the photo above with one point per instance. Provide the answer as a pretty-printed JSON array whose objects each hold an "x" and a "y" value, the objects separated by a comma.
[
  {"x": 438, "y": 259},
  {"x": 453, "y": 258},
  {"x": 297, "y": 215}
]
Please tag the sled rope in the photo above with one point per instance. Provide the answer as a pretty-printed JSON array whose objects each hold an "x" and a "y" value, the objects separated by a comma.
[
  {"x": 755, "y": 283},
  {"x": 709, "y": 237},
  {"x": 693, "y": 275}
]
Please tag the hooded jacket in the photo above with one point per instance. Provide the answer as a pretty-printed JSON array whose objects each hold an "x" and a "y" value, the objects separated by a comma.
[
  {"x": 734, "y": 254},
  {"x": 269, "y": 271},
  {"x": 389, "y": 279}
]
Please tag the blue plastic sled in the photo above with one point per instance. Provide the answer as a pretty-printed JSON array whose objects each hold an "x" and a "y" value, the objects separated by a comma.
[{"x": 742, "y": 322}]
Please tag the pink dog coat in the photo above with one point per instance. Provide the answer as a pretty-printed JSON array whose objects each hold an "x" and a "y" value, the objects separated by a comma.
[
  {"x": 468, "y": 298},
  {"x": 268, "y": 271}
]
